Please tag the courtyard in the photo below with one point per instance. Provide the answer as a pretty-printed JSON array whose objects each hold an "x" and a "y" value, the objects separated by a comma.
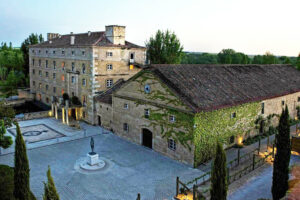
[{"x": 130, "y": 168}]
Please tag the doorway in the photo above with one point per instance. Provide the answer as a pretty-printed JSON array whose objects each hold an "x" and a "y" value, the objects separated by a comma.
[
  {"x": 99, "y": 120},
  {"x": 147, "y": 138}
]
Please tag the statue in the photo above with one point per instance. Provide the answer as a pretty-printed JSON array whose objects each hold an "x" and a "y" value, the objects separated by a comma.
[{"x": 92, "y": 145}]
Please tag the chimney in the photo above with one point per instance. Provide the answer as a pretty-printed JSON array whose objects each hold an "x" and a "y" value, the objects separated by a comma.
[
  {"x": 51, "y": 36},
  {"x": 72, "y": 42},
  {"x": 115, "y": 34},
  {"x": 89, "y": 33}
]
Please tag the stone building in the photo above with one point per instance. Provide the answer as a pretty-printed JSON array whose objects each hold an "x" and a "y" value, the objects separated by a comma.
[
  {"x": 81, "y": 65},
  {"x": 180, "y": 110}
]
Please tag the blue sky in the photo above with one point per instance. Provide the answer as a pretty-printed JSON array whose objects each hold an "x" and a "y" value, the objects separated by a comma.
[{"x": 249, "y": 26}]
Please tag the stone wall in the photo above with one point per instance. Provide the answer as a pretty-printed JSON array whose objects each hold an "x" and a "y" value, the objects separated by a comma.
[
  {"x": 35, "y": 115},
  {"x": 104, "y": 111}
]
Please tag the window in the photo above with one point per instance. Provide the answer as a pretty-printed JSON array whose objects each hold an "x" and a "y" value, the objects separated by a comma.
[
  {"x": 46, "y": 63},
  {"x": 109, "y": 54},
  {"x": 125, "y": 127},
  {"x": 46, "y": 51},
  {"x": 73, "y": 53},
  {"x": 109, "y": 67},
  {"x": 147, "y": 113},
  {"x": 172, "y": 118},
  {"x": 83, "y": 68},
  {"x": 73, "y": 67},
  {"x": 84, "y": 82},
  {"x": 32, "y": 51},
  {"x": 73, "y": 79},
  {"x": 73, "y": 94},
  {"x": 39, "y": 51},
  {"x": 54, "y": 75},
  {"x": 54, "y": 64},
  {"x": 40, "y": 85},
  {"x": 233, "y": 115},
  {"x": 83, "y": 53},
  {"x": 172, "y": 144},
  {"x": 282, "y": 103},
  {"x": 40, "y": 63},
  {"x": 63, "y": 65},
  {"x": 84, "y": 100},
  {"x": 109, "y": 83},
  {"x": 131, "y": 55},
  {"x": 63, "y": 52},
  {"x": 53, "y": 52},
  {"x": 298, "y": 99},
  {"x": 62, "y": 78},
  {"x": 47, "y": 87},
  {"x": 126, "y": 106},
  {"x": 262, "y": 108},
  {"x": 47, "y": 99},
  {"x": 54, "y": 89},
  {"x": 33, "y": 83},
  {"x": 40, "y": 73},
  {"x": 47, "y": 74},
  {"x": 33, "y": 71},
  {"x": 33, "y": 62},
  {"x": 147, "y": 89}
]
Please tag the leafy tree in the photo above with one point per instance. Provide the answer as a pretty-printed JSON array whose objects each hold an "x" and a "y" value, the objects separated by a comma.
[
  {"x": 10, "y": 85},
  {"x": 282, "y": 157},
  {"x": 298, "y": 62},
  {"x": 199, "y": 58},
  {"x": 5, "y": 141},
  {"x": 31, "y": 40},
  {"x": 6, "y": 182},
  {"x": 258, "y": 59},
  {"x": 219, "y": 185},
  {"x": 21, "y": 170},
  {"x": 50, "y": 192},
  {"x": 269, "y": 58},
  {"x": 7, "y": 114},
  {"x": 225, "y": 56},
  {"x": 164, "y": 48}
]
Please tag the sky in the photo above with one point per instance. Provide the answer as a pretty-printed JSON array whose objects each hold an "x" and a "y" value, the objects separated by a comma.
[{"x": 248, "y": 26}]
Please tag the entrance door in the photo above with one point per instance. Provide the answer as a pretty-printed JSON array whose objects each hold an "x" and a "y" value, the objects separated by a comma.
[
  {"x": 147, "y": 138},
  {"x": 99, "y": 120}
]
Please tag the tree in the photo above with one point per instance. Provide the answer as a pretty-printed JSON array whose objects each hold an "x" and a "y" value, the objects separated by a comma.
[
  {"x": 225, "y": 56},
  {"x": 164, "y": 48},
  {"x": 7, "y": 114},
  {"x": 5, "y": 141},
  {"x": 219, "y": 185},
  {"x": 50, "y": 192},
  {"x": 21, "y": 170},
  {"x": 298, "y": 62},
  {"x": 9, "y": 87},
  {"x": 282, "y": 157},
  {"x": 258, "y": 59},
  {"x": 31, "y": 40},
  {"x": 269, "y": 58}
]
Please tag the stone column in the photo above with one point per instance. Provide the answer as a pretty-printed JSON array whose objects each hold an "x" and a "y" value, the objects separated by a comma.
[
  {"x": 56, "y": 112},
  {"x": 67, "y": 111},
  {"x": 63, "y": 115}
]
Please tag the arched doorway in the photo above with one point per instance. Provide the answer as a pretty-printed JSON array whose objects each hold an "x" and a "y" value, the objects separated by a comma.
[{"x": 147, "y": 138}]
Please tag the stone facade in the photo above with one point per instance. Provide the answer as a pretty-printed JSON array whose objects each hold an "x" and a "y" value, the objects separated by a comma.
[
  {"x": 82, "y": 65},
  {"x": 126, "y": 116}
]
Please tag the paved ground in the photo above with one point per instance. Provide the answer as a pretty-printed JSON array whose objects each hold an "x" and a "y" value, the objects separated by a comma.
[
  {"x": 258, "y": 186},
  {"x": 131, "y": 168}
]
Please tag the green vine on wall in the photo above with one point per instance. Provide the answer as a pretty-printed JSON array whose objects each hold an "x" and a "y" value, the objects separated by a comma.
[{"x": 219, "y": 125}]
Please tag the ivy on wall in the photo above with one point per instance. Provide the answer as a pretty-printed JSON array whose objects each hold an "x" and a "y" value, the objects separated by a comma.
[
  {"x": 182, "y": 129},
  {"x": 221, "y": 125}
]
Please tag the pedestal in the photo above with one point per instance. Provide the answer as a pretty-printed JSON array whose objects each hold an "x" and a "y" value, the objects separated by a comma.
[{"x": 93, "y": 159}]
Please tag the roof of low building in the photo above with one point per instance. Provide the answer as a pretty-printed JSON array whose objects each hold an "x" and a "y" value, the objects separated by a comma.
[
  {"x": 106, "y": 96},
  {"x": 83, "y": 39},
  {"x": 211, "y": 87}
]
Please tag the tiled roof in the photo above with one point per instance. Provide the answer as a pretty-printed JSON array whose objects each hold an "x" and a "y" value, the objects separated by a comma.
[
  {"x": 106, "y": 96},
  {"x": 83, "y": 39},
  {"x": 210, "y": 87}
]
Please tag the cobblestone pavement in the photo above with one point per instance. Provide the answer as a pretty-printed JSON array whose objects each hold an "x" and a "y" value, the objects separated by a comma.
[{"x": 133, "y": 168}]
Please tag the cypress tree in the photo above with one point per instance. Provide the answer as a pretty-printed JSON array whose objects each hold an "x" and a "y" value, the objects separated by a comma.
[
  {"x": 282, "y": 157},
  {"x": 50, "y": 192},
  {"x": 219, "y": 185},
  {"x": 21, "y": 170}
]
